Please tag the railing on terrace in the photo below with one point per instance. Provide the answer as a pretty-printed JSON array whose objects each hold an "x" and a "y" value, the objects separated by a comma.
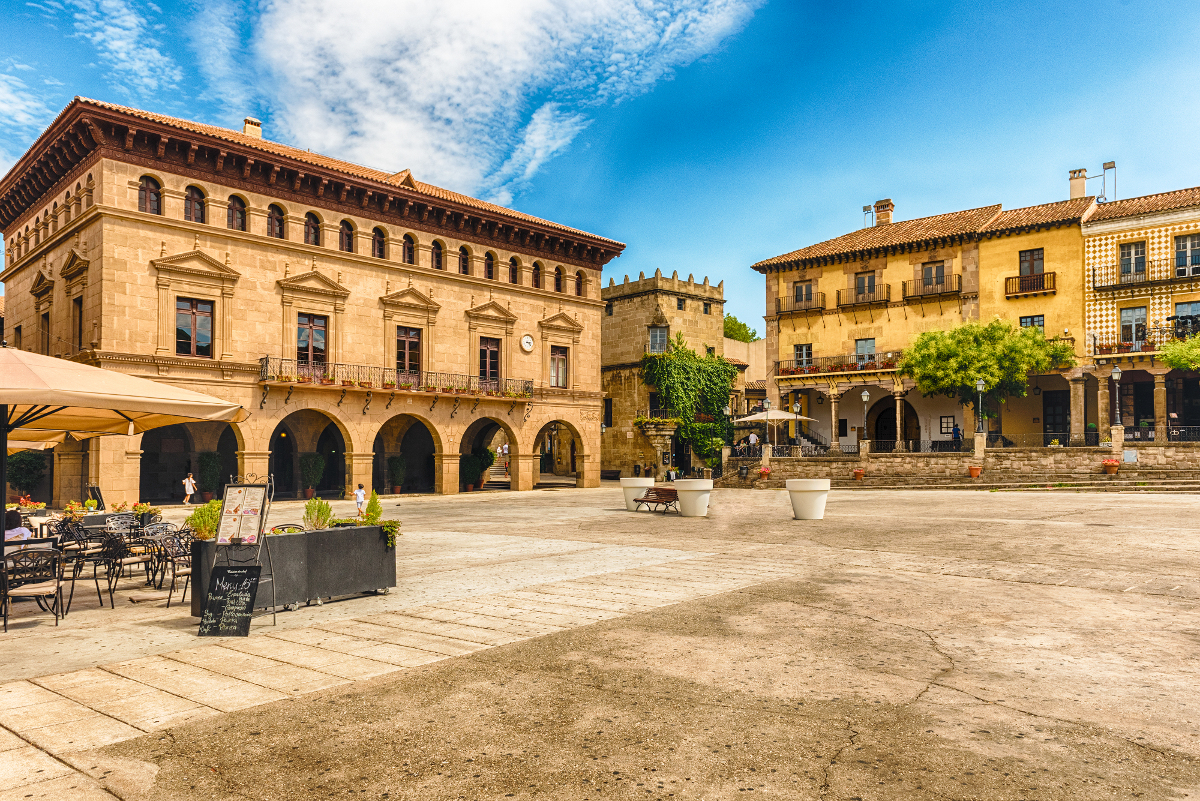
[
  {"x": 746, "y": 451},
  {"x": 882, "y": 293},
  {"x": 1162, "y": 434},
  {"x": 948, "y": 285},
  {"x": 272, "y": 368},
  {"x": 657, "y": 414},
  {"x": 793, "y": 304},
  {"x": 854, "y": 362},
  {"x": 921, "y": 446},
  {"x": 1089, "y": 439},
  {"x": 1107, "y": 344},
  {"x": 1029, "y": 284}
]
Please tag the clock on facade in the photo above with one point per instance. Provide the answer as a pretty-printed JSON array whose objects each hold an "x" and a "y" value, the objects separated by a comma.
[{"x": 527, "y": 343}]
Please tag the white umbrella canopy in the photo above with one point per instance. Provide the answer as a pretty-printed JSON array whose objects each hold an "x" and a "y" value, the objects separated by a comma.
[
  {"x": 773, "y": 416},
  {"x": 42, "y": 397}
]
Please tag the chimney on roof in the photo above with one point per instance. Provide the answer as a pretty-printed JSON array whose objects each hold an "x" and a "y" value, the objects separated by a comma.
[
  {"x": 252, "y": 127},
  {"x": 1078, "y": 183},
  {"x": 883, "y": 211}
]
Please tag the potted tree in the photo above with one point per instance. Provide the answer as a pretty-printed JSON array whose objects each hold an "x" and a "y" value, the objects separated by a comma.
[
  {"x": 396, "y": 470},
  {"x": 210, "y": 474},
  {"x": 312, "y": 469}
]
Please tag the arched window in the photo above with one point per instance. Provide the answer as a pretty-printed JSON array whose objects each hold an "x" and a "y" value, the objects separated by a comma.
[
  {"x": 149, "y": 195},
  {"x": 558, "y": 279},
  {"x": 410, "y": 250},
  {"x": 489, "y": 266},
  {"x": 436, "y": 255},
  {"x": 275, "y": 220},
  {"x": 193, "y": 205},
  {"x": 312, "y": 229},
  {"x": 579, "y": 283},
  {"x": 537, "y": 275},
  {"x": 379, "y": 244},
  {"x": 235, "y": 214},
  {"x": 346, "y": 237},
  {"x": 514, "y": 270},
  {"x": 464, "y": 261}
]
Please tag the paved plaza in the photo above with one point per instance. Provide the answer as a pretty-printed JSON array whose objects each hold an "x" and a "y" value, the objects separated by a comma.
[{"x": 548, "y": 644}]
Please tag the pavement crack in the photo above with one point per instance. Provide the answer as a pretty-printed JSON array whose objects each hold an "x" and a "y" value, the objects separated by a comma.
[{"x": 825, "y": 787}]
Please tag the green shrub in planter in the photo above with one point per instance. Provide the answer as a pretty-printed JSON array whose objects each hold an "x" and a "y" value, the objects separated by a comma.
[
  {"x": 204, "y": 520},
  {"x": 312, "y": 469},
  {"x": 210, "y": 472},
  {"x": 469, "y": 469},
  {"x": 318, "y": 514},
  {"x": 374, "y": 510},
  {"x": 397, "y": 467},
  {"x": 26, "y": 469},
  {"x": 392, "y": 529}
]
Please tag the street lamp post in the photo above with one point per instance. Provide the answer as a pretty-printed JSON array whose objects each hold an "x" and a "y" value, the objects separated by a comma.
[
  {"x": 979, "y": 406},
  {"x": 1116, "y": 404},
  {"x": 866, "y": 396},
  {"x": 767, "y": 422},
  {"x": 796, "y": 411}
]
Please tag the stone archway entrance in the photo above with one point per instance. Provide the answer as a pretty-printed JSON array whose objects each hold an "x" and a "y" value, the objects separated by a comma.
[
  {"x": 166, "y": 460},
  {"x": 404, "y": 449},
  {"x": 559, "y": 450},
  {"x": 883, "y": 431},
  {"x": 296, "y": 443},
  {"x": 484, "y": 439}
]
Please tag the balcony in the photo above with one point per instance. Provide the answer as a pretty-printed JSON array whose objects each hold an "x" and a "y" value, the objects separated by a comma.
[
  {"x": 852, "y": 363},
  {"x": 273, "y": 370},
  {"x": 1158, "y": 272},
  {"x": 1017, "y": 286},
  {"x": 658, "y": 347},
  {"x": 1109, "y": 344},
  {"x": 920, "y": 290},
  {"x": 881, "y": 293},
  {"x": 797, "y": 306}
]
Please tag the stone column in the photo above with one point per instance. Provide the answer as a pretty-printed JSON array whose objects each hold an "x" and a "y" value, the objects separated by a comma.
[
  {"x": 899, "y": 420},
  {"x": 445, "y": 473},
  {"x": 1160, "y": 404},
  {"x": 1078, "y": 411},
  {"x": 360, "y": 471},
  {"x": 833, "y": 410},
  {"x": 1118, "y": 441},
  {"x": 1103, "y": 406},
  {"x": 253, "y": 463},
  {"x": 523, "y": 471},
  {"x": 980, "y": 445},
  {"x": 587, "y": 468}
]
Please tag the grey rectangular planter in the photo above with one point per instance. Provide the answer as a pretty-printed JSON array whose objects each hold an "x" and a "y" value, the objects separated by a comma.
[{"x": 310, "y": 565}]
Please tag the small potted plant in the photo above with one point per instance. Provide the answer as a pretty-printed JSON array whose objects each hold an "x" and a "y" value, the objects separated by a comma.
[
  {"x": 1111, "y": 466},
  {"x": 859, "y": 473},
  {"x": 327, "y": 381},
  {"x": 365, "y": 384},
  {"x": 146, "y": 513},
  {"x": 764, "y": 472},
  {"x": 347, "y": 383},
  {"x": 389, "y": 384},
  {"x": 90, "y": 505},
  {"x": 304, "y": 379},
  {"x": 974, "y": 470},
  {"x": 1054, "y": 443},
  {"x": 312, "y": 470},
  {"x": 118, "y": 507}
]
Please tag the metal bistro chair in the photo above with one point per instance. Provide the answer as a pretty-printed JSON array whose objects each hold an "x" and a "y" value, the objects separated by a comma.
[
  {"x": 78, "y": 549},
  {"x": 31, "y": 569},
  {"x": 177, "y": 554},
  {"x": 154, "y": 535},
  {"x": 122, "y": 550}
]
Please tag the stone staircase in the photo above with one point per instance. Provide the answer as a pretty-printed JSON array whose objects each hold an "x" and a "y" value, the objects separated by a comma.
[{"x": 494, "y": 478}]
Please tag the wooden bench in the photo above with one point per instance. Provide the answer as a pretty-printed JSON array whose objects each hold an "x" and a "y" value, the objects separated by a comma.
[{"x": 666, "y": 497}]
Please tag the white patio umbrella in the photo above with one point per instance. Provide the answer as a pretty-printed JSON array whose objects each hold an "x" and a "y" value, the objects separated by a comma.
[
  {"x": 42, "y": 397},
  {"x": 773, "y": 416}
]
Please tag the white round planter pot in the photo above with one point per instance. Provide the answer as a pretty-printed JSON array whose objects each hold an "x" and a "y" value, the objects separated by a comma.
[
  {"x": 635, "y": 488},
  {"x": 693, "y": 496},
  {"x": 808, "y": 497}
]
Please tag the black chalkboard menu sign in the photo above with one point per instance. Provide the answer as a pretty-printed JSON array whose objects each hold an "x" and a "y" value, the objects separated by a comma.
[{"x": 230, "y": 601}]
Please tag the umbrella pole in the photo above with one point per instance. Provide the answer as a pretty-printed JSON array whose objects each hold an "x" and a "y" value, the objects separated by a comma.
[{"x": 4, "y": 452}]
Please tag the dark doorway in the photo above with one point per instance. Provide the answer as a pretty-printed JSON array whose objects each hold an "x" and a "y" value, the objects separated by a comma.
[
  {"x": 1137, "y": 403},
  {"x": 332, "y": 446},
  {"x": 1056, "y": 416},
  {"x": 283, "y": 462},
  {"x": 417, "y": 449},
  {"x": 227, "y": 449},
  {"x": 681, "y": 454},
  {"x": 572, "y": 456},
  {"x": 166, "y": 461}
]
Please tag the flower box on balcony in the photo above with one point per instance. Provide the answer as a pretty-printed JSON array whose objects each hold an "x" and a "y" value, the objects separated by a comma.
[
  {"x": 1104, "y": 349},
  {"x": 811, "y": 370},
  {"x": 406, "y": 386},
  {"x": 365, "y": 384},
  {"x": 347, "y": 383},
  {"x": 389, "y": 384},
  {"x": 867, "y": 366},
  {"x": 887, "y": 365},
  {"x": 327, "y": 381},
  {"x": 1124, "y": 347}
]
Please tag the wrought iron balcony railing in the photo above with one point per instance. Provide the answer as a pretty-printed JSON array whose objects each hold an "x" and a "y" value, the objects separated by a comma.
[
  {"x": 363, "y": 376},
  {"x": 852, "y": 363},
  {"x": 882, "y": 293},
  {"x": 795, "y": 305},
  {"x": 924, "y": 288},
  {"x": 1017, "y": 285}
]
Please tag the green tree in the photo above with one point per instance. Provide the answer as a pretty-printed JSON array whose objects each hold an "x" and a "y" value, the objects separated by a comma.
[
  {"x": 736, "y": 329},
  {"x": 26, "y": 469},
  {"x": 697, "y": 389},
  {"x": 950, "y": 362},
  {"x": 1182, "y": 354},
  {"x": 312, "y": 469}
]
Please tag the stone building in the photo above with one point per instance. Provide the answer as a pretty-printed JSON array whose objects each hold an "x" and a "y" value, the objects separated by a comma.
[
  {"x": 641, "y": 317},
  {"x": 357, "y": 313}
]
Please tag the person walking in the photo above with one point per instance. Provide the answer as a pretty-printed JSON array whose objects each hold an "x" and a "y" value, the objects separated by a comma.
[
  {"x": 956, "y": 436},
  {"x": 360, "y": 500},
  {"x": 189, "y": 489}
]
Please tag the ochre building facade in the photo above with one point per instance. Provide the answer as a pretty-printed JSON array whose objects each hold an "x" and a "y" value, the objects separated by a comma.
[{"x": 357, "y": 314}]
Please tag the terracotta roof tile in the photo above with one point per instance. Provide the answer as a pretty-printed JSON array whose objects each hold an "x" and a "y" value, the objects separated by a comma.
[
  {"x": 760, "y": 384},
  {"x": 308, "y": 157},
  {"x": 1046, "y": 214},
  {"x": 894, "y": 234},
  {"x": 1163, "y": 201}
]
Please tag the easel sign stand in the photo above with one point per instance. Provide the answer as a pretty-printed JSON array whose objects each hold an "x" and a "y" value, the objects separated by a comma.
[{"x": 237, "y": 569}]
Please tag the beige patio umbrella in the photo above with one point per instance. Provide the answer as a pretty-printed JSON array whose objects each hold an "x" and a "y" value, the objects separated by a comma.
[
  {"x": 773, "y": 416},
  {"x": 43, "y": 396}
]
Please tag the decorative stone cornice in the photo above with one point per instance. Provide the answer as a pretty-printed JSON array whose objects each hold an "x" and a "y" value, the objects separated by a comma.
[
  {"x": 312, "y": 283},
  {"x": 196, "y": 264}
]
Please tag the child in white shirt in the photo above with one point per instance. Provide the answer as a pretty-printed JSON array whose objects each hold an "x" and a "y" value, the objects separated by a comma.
[{"x": 360, "y": 499}]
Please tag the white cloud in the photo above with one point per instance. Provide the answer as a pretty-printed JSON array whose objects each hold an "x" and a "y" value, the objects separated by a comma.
[
  {"x": 121, "y": 35},
  {"x": 22, "y": 115},
  {"x": 216, "y": 31},
  {"x": 474, "y": 95}
]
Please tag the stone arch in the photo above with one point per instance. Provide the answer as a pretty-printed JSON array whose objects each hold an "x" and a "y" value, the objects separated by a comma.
[
  {"x": 414, "y": 438},
  {"x": 559, "y": 451},
  {"x": 165, "y": 461},
  {"x": 304, "y": 431},
  {"x": 492, "y": 433},
  {"x": 881, "y": 424}
]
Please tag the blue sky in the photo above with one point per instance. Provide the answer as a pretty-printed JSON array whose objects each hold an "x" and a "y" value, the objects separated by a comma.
[{"x": 705, "y": 134}]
